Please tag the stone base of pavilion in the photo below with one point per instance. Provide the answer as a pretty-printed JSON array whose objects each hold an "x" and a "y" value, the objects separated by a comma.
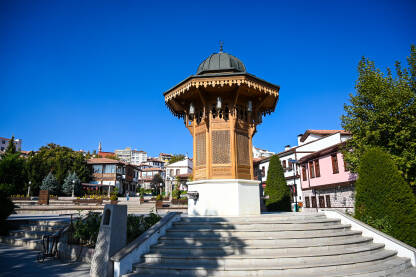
[{"x": 224, "y": 197}]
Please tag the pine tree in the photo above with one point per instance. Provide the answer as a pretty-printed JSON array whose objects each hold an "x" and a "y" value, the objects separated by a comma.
[
  {"x": 69, "y": 183},
  {"x": 276, "y": 187},
  {"x": 383, "y": 198},
  {"x": 50, "y": 183},
  {"x": 11, "y": 148}
]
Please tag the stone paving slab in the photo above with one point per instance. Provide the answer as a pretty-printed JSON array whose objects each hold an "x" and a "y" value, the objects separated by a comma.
[{"x": 17, "y": 261}]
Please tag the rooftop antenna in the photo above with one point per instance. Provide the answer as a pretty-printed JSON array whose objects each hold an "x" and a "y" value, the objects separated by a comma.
[{"x": 221, "y": 46}]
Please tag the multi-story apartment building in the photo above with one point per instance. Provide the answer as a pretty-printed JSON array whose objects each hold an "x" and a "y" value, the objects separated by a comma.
[
  {"x": 308, "y": 143},
  {"x": 165, "y": 157},
  {"x": 154, "y": 162},
  {"x": 131, "y": 156},
  {"x": 5, "y": 141},
  {"x": 109, "y": 174},
  {"x": 326, "y": 180}
]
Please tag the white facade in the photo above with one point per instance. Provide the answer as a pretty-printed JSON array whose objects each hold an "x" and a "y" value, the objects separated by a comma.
[
  {"x": 224, "y": 197},
  {"x": 312, "y": 144},
  {"x": 5, "y": 141},
  {"x": 175, "y": 169},
  {"x": 261, "y": 153},
  {"x": 131, "y": 156}
]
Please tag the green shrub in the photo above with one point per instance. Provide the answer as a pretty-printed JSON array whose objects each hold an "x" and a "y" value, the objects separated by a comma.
[
  {"x": 383, "y": 198},
  {"x": 137, "y": 225},
  {"x": 113, "y": 197},
  {"x": 86, "y": 231},
  {"x": 6, "y": 209},
  {"x": 276, "y": 187},
  {"x": 158, "y": 197}
]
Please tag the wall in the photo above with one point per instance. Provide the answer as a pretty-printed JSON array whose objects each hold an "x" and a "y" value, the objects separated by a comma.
[{"x": 327, "y": 175}]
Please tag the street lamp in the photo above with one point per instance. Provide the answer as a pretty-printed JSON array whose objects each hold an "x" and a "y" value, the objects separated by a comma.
[
  {"x": 73, "y": 188},
  {"x": 295, "y": 191},
  {"x": 28, "y": 189}
]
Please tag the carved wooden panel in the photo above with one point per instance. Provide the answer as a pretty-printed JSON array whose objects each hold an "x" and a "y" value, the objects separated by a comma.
[
  {"x": 200, "y": 174},
  {"x": 220, "y": 125},
  {"x": 243, "y": 153},
  {"x": 200, "y": 149},
  {"x": 221, "y": 147},
  {"x": 221, "y": 172},
  {"x": 243, "y": 172}
]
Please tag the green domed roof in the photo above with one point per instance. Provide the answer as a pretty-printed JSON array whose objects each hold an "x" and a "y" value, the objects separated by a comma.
[{"x": 220, "y": 62}]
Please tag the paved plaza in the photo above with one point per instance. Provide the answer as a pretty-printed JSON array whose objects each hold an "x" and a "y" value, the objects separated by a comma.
[{"x": 17, "y": 261}]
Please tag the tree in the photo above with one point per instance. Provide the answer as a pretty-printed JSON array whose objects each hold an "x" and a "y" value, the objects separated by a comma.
[
  {"x": 156, "y": 182},
  {"x": 59, "y": 160},
  {"x": 176, "y": 158},
  {"x": 6, "y": 209},
  {"x": 72, "y": 181},
  {"x": 11, "y": 147},
  {"x": 382, "y": 113},
  {"x": 383, "y": 198},
  {"x": 276, "y": 187},
  {"x": 50, "y": 183},
  {"x": 13, "y": 172}
]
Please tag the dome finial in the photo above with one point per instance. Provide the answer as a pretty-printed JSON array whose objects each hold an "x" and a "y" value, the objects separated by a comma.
[{"x": 221, "y": 46}]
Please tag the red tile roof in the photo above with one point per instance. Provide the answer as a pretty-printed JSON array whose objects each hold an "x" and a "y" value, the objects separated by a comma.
[
  {"x": 102, "y": 161},
  {"x": 323, "y": 133}
]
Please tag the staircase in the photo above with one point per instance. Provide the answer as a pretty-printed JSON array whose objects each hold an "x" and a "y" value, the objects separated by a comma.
[
  {"x": 134, "y": 206},
  {"x": 288, "y": 244},
  {"x": 29, "y": 234}
]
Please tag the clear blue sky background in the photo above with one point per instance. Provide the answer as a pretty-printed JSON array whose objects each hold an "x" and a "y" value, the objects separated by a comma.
[{"x": 79, "y": 72}]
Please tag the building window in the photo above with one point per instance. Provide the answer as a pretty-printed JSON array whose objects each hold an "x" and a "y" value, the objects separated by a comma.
[
  {"x": 284, "y": 164},
  {"x": 290, "y": 164},
  {"x": 304, "y": 177},
  {"x": 321, "y": 202},
  {"x": 307, "y": 202},
  {"x": 335, "y": 168},
  {"x": 313, "y": 200},
  {"x": 328, "y": 201},
  {"x": 311, "y": 170},
  {"x": 263, "y": 171},
  {"x": 171, "y": 172},
  {"x": 97, "y": 168},
  {"x": 317, "y": 169},
  {"x": 178, "y": 171}
]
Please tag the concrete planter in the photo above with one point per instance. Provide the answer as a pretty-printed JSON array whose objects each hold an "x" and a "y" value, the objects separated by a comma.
[{"x": 114, "y": 202}]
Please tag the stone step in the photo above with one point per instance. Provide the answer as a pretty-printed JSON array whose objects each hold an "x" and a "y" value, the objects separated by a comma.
[
  {"x": 272, "y": 241},
  {"x": 298, "y": 267},
  {"x": 294, "y": 248},
  {"x": 223, "y": 224},
  {"x": 41, "y": 228},
  {"x": 282, "y": 259},
  {"x": 35, "y": 244},
  {"x": 391, "y": 266},
  {"x": 29, "y": 234},
  {"x": 256, "y": 227},
  {"x": 236, "y": 234},
  {"x": 261, "y": 219}
]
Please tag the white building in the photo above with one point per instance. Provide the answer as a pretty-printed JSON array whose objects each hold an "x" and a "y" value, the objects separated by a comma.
[
  {"x": 131, "y": 156},
  {"x": 177, "y": 169},
  {"x": 261, "y": 153},
  {"x": 5, "y": 141},
  {"x": 309, "y": 142}
]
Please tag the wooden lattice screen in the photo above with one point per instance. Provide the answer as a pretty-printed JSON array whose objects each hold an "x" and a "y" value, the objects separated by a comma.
[
  {"x": 221, "y": 147},
  {"x": 243, "y": 149},
  {"x": 200, "y": 149}
]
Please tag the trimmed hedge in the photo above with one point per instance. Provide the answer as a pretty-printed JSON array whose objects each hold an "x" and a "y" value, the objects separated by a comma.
[
  {"x": 383, "y": 198},
  {"x": 276, "y": 187}
]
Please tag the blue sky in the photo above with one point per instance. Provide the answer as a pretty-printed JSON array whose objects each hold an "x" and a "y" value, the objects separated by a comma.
[{"x": 79, "y": 72}]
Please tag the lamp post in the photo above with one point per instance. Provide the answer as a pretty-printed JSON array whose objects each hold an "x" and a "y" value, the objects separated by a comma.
[
  {"x": 295, "y": 191},
  {"x": 28, "y": 189},
  {"x": 73, "y": 188}
]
